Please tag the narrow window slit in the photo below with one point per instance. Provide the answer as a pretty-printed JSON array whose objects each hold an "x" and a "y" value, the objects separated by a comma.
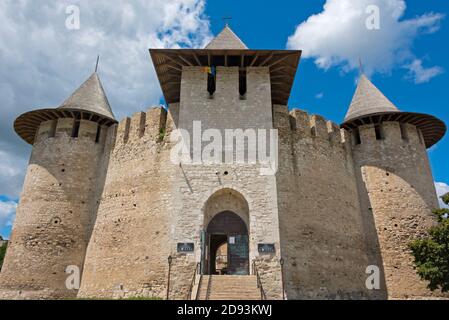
[
  {"x": 52, "y": 132},
  {"x": 379, "y": 133},
  {"x": 76, "y": 129},
  {"x": 97, "y": 137},
  {"x": 404, "y": 133},
  {"x": 242, "y": 83},
  {"x": 211, "y": 81},
  {"x": 356, "y": 136}
]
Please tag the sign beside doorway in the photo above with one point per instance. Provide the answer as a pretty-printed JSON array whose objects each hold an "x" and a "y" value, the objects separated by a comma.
[
  {"x": 186, "y": 247},
  {"x": 266, "y": 248}
]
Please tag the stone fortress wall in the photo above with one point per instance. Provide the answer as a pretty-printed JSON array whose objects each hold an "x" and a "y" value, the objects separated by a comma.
[
  {"x": 134, "y": 206},
  {"x": 397, "y": 195},
  {"x": 111, "y": 201},
  {"x": 127, "y": 254},
  {"x": 56, "y": 212},
  {"x": 320, "y": 223}
]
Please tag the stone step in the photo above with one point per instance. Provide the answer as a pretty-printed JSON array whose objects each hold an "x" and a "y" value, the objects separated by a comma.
[
  {"x": 228, "y": 287},
  {"x": 233, "y": 298}
]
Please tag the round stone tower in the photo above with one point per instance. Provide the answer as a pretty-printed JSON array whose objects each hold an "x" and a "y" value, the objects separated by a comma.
[
  {"x": 395, "y": 184},
  {"x": 58, "y": 202}
]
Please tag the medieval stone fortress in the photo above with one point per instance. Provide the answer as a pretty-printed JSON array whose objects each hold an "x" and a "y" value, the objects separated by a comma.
[{"x": 104, "y": 201}]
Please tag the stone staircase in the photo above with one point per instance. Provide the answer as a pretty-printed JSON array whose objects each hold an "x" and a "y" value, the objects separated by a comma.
[{"x": 224, "y": 287}]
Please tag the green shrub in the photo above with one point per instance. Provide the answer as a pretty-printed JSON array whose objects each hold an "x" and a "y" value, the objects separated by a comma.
[
  {"x": 2, "y": 254},
  {"x": 162, "y": 133},
  {"x": 432, "y": 253}
]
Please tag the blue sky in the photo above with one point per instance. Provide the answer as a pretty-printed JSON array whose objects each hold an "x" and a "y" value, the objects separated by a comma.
[
  {"x": 406, "y": 58},
  {"x": 269, "y": 26}
]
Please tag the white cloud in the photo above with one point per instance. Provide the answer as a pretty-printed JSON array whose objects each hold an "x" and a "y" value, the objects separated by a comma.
[
  {"x": 319, "y": 95},
  {"x": 7, "y": 214},
  {"x": 338, "y": 36},
  {"x": 42, "y": 61},
  {"x": 12, "y": 173},
  {"x": 419, "y": 74},
  {"x": 442, "y": 189}
]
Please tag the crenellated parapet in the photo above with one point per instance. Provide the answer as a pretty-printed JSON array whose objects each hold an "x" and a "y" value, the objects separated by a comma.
[
  {"x": 143, "y": 127},
  {"x": 73, "y": 130},
  {"x": 302, "y": 127},
  {"x": 388, "y": 132}
]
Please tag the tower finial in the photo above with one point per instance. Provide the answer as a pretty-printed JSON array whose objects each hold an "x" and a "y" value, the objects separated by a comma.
[
  {"x": 96, "y": 65},
  {"x": 226, "y": 20}
]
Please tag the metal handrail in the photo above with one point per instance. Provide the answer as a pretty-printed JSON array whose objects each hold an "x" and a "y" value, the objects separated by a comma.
[
  {"x": 170, "y": 259},
  {"x": 192, "y": 284},
  {"x": 200, "y": 283},
  {"x": 263, "y": 296},
  {"x": 208, "y": 287}
]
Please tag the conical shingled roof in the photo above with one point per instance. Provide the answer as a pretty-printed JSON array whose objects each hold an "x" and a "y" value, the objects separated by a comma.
[
  {"x": 368, "y": 100},
  {"x": 370, "y": 106},
  {"x": 88, "y": 102},
  {"x": 90, "y": 96},
  {"x": 226, "y": 39}
]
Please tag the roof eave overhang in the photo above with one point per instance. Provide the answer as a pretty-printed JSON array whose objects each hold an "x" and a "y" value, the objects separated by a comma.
[
  {"x": 432, "y": 128},
  {"x": 27, "y": 124},
  {"x": 283, "y": 65}
]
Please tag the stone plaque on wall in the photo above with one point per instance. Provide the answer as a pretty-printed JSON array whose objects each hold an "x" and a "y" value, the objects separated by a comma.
[
  {"x": 266, "y": 248},
  {"x": 186, "y": 247}
]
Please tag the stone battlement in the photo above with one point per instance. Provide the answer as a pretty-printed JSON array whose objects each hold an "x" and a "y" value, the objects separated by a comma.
[
  {"x": 77, "y": 130},
  {"x": 150, "y": 125},
  {"x": 314, "y": 128},
  {"x": 387, "y": 132}
]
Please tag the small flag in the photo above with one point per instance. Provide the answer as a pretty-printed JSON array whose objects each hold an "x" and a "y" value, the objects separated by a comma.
[{"x": 210, "y": 70}]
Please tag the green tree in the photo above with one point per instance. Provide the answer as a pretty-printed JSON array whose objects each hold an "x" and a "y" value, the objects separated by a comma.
[
  {"x": 432, "y": 252},
  {"x": 2, "y": 254}
]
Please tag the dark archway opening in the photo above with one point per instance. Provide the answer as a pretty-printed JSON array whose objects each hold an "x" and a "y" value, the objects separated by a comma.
[
  {"x": 227, "y": 228},
  {"x": 218, "y": 263}
]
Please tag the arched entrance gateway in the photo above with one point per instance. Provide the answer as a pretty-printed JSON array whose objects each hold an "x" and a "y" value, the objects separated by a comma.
[{"x": 225, "y": 239}]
